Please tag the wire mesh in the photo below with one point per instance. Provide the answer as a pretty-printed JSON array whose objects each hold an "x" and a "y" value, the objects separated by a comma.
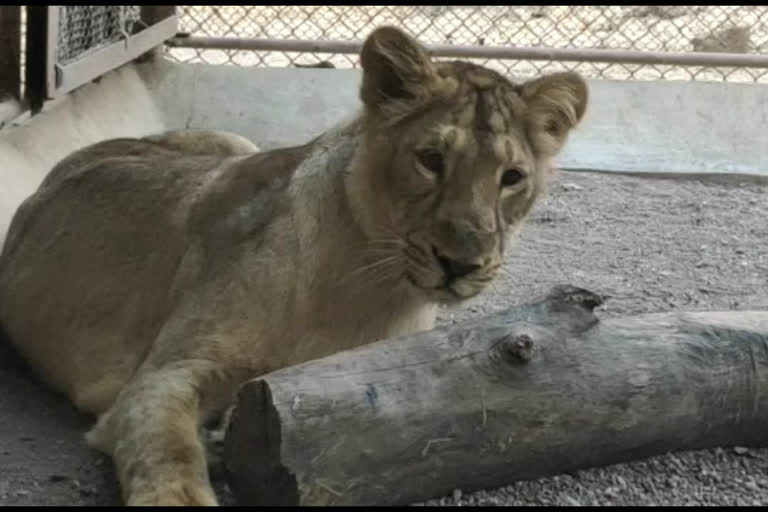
[
  {"x": 23, "y": 52},
  {"x": 83, "y": 28},
  {"x": 688, "y": 28}
]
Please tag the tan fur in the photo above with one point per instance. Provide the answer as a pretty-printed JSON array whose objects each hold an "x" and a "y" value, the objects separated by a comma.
[
  {"x": 210, "y": 142},
  {"x": 147, "y": 278}
]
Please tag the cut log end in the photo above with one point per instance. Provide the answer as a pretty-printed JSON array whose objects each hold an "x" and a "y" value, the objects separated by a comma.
[{"x": 260, "y": 478}]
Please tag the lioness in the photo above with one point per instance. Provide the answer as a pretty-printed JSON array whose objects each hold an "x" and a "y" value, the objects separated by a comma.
[{"x": 147, "y": 281}]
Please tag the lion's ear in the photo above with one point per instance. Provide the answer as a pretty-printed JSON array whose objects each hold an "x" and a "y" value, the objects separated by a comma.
[
  {"x": 556, "y": 104},
  {"x": 397, "y": 71}
]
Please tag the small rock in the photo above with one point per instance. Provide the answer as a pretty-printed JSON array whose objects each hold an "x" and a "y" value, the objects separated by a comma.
[
  {"x": 713, "y": 474},
  {"x": 571, "y": 501},
  {"x": 740, "y": 450},
  {"x": 58, "y": 478},
  {"x": 86, "y": 491},
  {"x": 571, "y": 187},
  {"x": 21, "y": 492}
]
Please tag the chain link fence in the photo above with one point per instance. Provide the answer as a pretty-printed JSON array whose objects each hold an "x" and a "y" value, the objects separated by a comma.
[
  {"x": 83, "y": 28},
  {"x": 63, "y": 47},
  {"x": 679, "y": 29}
]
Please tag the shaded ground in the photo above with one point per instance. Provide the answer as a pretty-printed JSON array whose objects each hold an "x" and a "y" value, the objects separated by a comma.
[{"x": 651, "y": 245}]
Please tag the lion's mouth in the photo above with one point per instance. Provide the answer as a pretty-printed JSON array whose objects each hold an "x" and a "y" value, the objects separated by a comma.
[
  {"x": 443, "y": 264},
  {"x": 453, "y": 270},
  {"x": 444, "y": 291},
  {"x": 436, "y": 274}
]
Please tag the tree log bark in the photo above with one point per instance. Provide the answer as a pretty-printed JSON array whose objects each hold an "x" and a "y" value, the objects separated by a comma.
[{"x": 537, "y": 390}]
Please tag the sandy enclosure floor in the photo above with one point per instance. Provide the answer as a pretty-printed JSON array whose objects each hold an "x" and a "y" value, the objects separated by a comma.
[{"x": 650, "y": 244}]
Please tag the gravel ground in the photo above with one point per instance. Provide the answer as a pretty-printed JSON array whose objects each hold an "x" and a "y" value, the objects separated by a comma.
[{"x": 649, "y": 244}]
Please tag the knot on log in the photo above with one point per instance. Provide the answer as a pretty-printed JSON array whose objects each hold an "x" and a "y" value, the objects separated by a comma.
[
  {"x": 515, "y": 349},
  {"x": 575, "y": 295}
]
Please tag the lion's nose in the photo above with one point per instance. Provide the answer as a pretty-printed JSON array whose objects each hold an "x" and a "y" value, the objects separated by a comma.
[{"x": 454, "y": 269}]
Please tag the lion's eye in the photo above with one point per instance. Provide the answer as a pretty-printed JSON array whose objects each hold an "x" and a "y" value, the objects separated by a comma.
[
  {"x": 432, "y": 160},
  {"x": 511, "y": 177}
]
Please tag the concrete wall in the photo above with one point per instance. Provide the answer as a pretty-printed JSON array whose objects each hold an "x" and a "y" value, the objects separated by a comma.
[
  {"x": 118, "y": 105},
  {"x": 643, "y": 127}
]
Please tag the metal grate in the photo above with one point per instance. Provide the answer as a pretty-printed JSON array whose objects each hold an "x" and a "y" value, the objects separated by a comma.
[
  {"x": 83, "y": 28},
  {"x": 729, "y": 29}
]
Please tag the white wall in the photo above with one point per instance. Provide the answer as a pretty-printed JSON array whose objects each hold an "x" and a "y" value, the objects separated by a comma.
[
  {"x": 118, "y": 105},
  {"x": 644, "y": 127}
]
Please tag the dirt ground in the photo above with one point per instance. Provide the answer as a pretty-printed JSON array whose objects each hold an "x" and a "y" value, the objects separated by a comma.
[{"x": 649, "y": 244}]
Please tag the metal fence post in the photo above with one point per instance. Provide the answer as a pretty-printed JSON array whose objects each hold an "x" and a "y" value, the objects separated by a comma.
[
  {"x": 151, "y": 14},
  {"x": 10, "y": 52}
]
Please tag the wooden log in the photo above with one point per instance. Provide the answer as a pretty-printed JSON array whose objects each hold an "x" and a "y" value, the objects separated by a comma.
[{"x": 538, "y": 390}]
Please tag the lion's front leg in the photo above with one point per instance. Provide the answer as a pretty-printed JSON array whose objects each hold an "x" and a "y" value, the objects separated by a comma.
[{"x": 152, "y": 434}]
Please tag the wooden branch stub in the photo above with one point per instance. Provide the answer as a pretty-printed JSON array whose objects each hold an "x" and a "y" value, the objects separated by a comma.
[
  {"x": 516, "y": 349},
  {"x": 571, "y": 294}
]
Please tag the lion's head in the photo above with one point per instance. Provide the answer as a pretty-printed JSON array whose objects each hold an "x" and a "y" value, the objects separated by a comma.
[{"x": 455, "y": 157}]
